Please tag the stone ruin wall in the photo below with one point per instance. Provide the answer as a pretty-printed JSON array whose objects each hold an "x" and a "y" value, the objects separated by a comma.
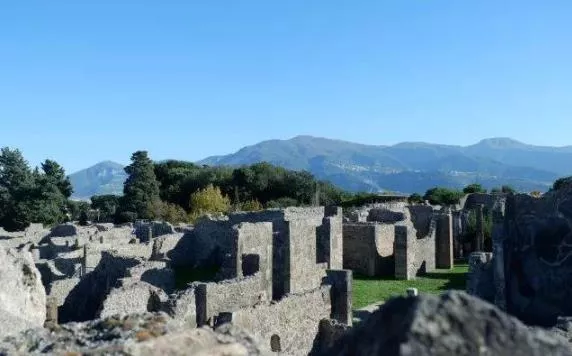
[
  {"x": 270, "y": 262},
  {"x": 529, "y": 273},
  {"x": 368, "y": 248},
  {"x": 400, "y": 240}
]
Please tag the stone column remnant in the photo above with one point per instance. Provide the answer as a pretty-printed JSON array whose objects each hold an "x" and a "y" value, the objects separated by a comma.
[
  {"x": 445, "y": 242},
  {"x": 480, "y": 236},
  {"x": 341, "y": 292}
]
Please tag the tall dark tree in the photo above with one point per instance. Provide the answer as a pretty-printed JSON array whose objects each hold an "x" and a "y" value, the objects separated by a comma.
[
  {"x": 141, "y": 188},
  {"x": 106, "y": 205},
  {"x": 57, "y": 176},
  {"x": 15, "y": 184}
]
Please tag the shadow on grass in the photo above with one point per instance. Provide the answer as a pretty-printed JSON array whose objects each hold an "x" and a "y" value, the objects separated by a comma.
[{"x": 454, "y": 280}]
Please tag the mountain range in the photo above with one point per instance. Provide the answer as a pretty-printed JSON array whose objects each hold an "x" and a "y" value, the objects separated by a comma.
[{"x": 405, "y": 167}]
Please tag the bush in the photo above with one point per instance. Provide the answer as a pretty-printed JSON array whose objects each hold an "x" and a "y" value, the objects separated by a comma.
[
  {"x": 442, "y": 196},
  {"x": 83, "y": 218},
  {"x": 281, "y": 203},
  {"x": 209, "y": 200},
  {"x": 474, "y": 188},
  {"x": 415, "y": 199},
  {"x": 125, "y": 217},
  {"x": 167, "y": 212},
  {"x": 251, "y": 205}
]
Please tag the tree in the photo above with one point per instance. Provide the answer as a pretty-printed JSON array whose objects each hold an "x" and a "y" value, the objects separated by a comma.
[
  {"x": 507, "y": 189},
  {"x": 107, "y": 206},
  {"x": 561, "y": 183},
  {"x": 141, "y": 187},
  {"x": 168, "y": 212},
  {"x": 57, "y": 176},
  {"x": 415, "y": 199},
  {"x": 443, "y": 196},
  {"x": 209, "y": 200},
  {"x": 16, "y": 183},
  {"x": 474, "y": 188},
  {"x": 251, "y": 205},
  {"x": 83, "y": 218}
]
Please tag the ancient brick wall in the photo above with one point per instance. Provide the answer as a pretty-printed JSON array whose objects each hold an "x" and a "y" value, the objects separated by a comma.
[
  {"x": 368, "y": 248},
  {"x": 293, "y": 320}
]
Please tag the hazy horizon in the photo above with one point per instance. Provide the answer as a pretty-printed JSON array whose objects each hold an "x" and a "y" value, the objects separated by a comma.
[{"x": 84, "y": 83}]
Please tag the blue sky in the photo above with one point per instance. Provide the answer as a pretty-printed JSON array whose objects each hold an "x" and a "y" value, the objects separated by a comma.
[{"x": 81, "y": 83}]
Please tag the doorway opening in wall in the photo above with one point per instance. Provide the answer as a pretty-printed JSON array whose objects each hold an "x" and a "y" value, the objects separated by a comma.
[
  {"x": 250, "y": 264},
  {"x": 275, "y": 343}
]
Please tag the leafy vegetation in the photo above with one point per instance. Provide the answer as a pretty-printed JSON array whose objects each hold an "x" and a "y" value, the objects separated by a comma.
[
  {"x": 474, "y": 188},
  {"x": 443, "y": 196},
  {"x": 31, "y": 196}
]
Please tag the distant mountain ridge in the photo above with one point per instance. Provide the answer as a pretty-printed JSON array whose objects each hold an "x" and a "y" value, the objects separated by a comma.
[
  {"x": 411, "y": 166},
  {"x": 106, "y": 177},
  {"x": 405, "y": 167}
]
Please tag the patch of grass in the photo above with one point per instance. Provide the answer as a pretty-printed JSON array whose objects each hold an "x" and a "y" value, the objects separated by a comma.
[
  {"x": 184, "y": 276},
  {"x": 369, "y": 290}
]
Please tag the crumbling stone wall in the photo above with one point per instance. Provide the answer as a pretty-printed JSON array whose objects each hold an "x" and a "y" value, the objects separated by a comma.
[
  {"x": 537, "y": 251},
  {"x": 294, "y": 320},
  {"x": 414, "y": 255},
  {"x": 368, "y": 248},
  {"x": 480, "y": 277}
]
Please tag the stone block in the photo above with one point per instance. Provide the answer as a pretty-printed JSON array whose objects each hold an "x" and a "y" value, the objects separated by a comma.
[{"x": 341, "y": 295}]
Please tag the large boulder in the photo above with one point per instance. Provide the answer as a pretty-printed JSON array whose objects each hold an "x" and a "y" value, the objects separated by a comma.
[
  {"x": 22, "y": 296},
  {"x": 136, "y": 334},
  {"x": 452, "y": 324},
  {"x": 536, "y": 256}
]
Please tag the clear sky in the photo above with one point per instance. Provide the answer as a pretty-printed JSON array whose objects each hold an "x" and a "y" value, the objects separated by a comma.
[{"x": 86, "y": 81}]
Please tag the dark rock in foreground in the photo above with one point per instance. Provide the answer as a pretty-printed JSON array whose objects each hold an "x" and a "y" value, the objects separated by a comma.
[
  {"x": 452, "y": 324},
  {"x": 141, "y": 334}
]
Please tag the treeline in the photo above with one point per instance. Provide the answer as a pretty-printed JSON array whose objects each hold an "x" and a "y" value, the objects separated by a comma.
[
  {"x": 179, "y": 191},
  {"x": 39, "y": 195},
  {"x": 447, "y": 196}
]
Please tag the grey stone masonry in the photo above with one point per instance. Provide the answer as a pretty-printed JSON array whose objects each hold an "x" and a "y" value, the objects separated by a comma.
[
  {"x": 403, "y": 260},
  {"x": 414, "y": 255},
  {"x": 341, "y": 295},
  {"x": 368, "y": 248},
  {"x": 480, "y": 276},
  {"x": 444, "y": 258},
  {"x": 480, "y": 235}
]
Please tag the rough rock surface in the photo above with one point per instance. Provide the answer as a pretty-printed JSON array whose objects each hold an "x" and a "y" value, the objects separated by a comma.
[
  {"x": 452, "y": 324},
  {"x": 537, "y": 256},
  {"x": 138, "y": 334},
  {"x": 22, "y": 296}
]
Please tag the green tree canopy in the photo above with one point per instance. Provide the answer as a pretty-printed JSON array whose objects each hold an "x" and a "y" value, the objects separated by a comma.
[
  {"x": 415, "y": 199},
  {"x": 443, "y": 196},
  {"x": 209, "y": 200},
  {"x": 141, "y": 188},
  {"x": 16, "y": 182},
  {"x": 507, "y": 189},
  {"x": 56, "y": 175},
  {"x": 107, "y": 206},
  {"x": 474, "y": 188},
  {"x": 561, "y": 183}
]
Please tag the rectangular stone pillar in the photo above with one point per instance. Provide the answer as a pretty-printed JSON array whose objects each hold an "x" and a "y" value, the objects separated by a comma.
[
  {"x": 341, "y": 295},
  {"x": 403, "y": 255},
  {"x": 480, "y": 236},
  {"x": 201, "y": 304},
  {"x": 445, "y": 242}
]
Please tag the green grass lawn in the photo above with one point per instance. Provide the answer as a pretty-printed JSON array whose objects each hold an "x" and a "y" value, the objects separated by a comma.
[{"x": 369, "y": 290}]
